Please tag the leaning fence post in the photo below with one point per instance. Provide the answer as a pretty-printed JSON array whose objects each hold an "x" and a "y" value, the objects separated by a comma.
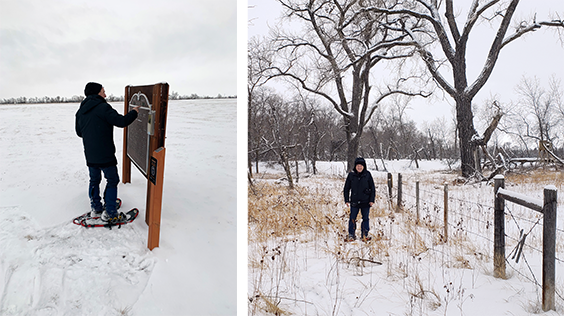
[
  {"x": 499, "y": 229},
  {"x": 549, "y": 247},
  {"x": 445, "y": 214},
  {"x": 399, "y": 192},
  {"x": 417, "y": 202}
]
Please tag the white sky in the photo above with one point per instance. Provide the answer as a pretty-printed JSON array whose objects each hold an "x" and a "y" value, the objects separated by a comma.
[
  {"x": 50, "y": 48},
  {"x": 538, "y": 54}
]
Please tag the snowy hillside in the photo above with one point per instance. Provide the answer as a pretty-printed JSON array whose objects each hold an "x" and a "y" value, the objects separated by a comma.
[
  {"x": 49, "y": 266},
  {"x": 299, "y": 263}
]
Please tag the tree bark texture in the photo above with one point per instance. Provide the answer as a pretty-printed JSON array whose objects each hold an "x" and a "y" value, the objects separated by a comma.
[{"x": 466, "y": 131}]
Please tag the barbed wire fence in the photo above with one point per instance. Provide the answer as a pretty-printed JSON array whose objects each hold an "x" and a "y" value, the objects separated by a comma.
[{"x": 475, "y": 216}]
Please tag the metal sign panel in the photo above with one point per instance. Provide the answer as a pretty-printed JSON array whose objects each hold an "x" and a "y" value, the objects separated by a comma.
[{"x": 139, "y": 132}]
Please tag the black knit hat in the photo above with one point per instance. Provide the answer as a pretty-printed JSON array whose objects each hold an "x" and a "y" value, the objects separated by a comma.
[
  {"x": 360, "y": 161},
  {"x": 92, "y": 88}
]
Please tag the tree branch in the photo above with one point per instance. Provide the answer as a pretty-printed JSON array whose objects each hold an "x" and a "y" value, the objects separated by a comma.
[
  {"x": 449, "y": 14},
  {"x": 434, "y": 19},
  {"x": 473, "y": 16},
  {"x": 530, "y": 28},
  {"x": 304, "y": 85},
  {"x": 493, "y": 53}
]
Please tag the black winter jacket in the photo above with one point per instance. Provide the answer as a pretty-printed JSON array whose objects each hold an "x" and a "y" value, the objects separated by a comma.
[
  {"x": 95, "y": 121},
  {"x": 359, "y": 188}
]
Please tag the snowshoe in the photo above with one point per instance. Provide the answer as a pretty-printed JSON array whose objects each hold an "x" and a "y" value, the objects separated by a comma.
[{"x": 119, "y": 220}]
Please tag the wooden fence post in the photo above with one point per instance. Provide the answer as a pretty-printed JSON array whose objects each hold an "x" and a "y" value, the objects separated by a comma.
[
  {"x": 549, "y": 247},
  {"x": 390, "y": 184},
  {"x": 548, "y": 207},
  {"x": 499, "y": 229},
  {"x": 417, "y": 202},
  {"x": 399, "y": 193},
  {"x": 445, "y": 214}
]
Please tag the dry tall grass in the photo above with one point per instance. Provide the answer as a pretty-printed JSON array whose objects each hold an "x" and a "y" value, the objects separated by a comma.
[
  {"x": 281, "y": 219},
  {"x": 280, "y": 212},
  {"x": 538, "y": 177}
]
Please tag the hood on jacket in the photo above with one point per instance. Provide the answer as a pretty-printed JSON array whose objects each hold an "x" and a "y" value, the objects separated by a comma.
[
  {"x": 359, "y": 161},
  {"x": 89, "y": 103}
]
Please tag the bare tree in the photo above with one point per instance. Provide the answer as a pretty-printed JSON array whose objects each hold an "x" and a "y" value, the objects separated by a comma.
[
  {"x": 439, "y": 135},
  {"x": 556, "y": 95},
  {"x": 259, "y": 61},
  {"x": 394, "y": 132},
  {"x": 317, "y": 122},
  {"x": 537, "y": 110},
  {"x": 280, "y": 132},
  {"x": 334, "y": 56},
  {"x": 537, "y": 115},
  {"x": 453, "y": 42}
]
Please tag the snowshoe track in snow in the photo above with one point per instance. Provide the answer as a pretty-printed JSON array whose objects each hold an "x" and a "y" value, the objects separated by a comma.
[{"x": 55, "y": 270}]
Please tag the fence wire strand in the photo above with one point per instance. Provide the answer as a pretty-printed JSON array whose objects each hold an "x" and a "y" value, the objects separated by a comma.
[{"x": 432, "y": 209}]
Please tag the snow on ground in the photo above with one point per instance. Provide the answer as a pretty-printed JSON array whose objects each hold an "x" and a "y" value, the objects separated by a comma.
[
  {"x": 319, "y": 274},
  {"x": 337, "y": 168},
  {"x": 49, "y": 266}
]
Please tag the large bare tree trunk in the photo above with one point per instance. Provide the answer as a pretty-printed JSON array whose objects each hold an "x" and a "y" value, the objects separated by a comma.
[
  {"x": 352, "y": 151},
  {"x": 466, "y": 131}
]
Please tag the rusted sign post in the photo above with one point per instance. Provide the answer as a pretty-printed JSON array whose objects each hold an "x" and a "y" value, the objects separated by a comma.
[
  {"x": 548, "y": 207},
  {"x": 143, "y": 145}
]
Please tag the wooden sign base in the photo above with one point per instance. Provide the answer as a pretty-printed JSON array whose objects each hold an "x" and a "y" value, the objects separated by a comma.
[{"x": 155, "y": 198}]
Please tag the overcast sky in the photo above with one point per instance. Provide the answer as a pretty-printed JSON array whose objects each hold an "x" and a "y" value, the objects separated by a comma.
[
  {"x": 539, "y": 54},
  {"x": 50, "y": 48}
]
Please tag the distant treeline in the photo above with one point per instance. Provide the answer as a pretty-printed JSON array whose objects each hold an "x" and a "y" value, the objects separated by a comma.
[{"x": 111, "y": 98}]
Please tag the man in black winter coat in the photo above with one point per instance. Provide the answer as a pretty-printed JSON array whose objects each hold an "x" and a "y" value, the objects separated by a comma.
[
  {"x": 95, "y": 121},
  {"x": 359, "y": 195}
]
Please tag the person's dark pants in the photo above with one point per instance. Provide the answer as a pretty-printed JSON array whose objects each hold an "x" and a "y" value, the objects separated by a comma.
[
  {"x": 110, "y": 193},
  {"x": 365, "y": 226}
]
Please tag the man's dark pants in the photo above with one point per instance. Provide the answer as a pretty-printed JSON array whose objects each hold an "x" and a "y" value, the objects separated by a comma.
[
  {"x": 110, "y": 193},
  {"x": 365, "y": 226}
]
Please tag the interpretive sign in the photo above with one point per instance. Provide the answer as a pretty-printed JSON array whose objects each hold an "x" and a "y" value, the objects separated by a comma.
[{"x": 143, "y": 145}]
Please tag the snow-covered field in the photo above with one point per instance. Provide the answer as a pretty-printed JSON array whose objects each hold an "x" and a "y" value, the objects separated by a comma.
[
  {"x": 49, "y": 266},
  {"x": 310, "y": 270}
]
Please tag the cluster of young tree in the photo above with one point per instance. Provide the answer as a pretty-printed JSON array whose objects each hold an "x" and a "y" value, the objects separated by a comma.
[
  {"x": 57, "y": 99},
  {"x": 45, "y": 99},
  {"x": 287, "y": 130},
  {"x": 111, "y": 98},
  {"x": 340, "y": 49},
  {"x": 176, "y": 96}
]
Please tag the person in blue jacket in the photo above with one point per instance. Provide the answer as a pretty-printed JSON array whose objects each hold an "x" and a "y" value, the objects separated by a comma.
[
  {"x": 95, "y": 121},
  {"x": 359, "y": 195}
]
